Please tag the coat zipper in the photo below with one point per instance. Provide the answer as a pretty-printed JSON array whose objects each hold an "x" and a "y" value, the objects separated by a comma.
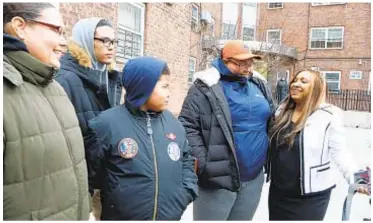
[
  {"x": 115, "y": 95},
  {"x": 301, "y": 163},
  {"x": 150, "y": 133}
]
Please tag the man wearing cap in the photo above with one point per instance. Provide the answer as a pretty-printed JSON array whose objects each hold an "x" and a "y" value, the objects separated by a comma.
[{"x": 226, "y": 115}]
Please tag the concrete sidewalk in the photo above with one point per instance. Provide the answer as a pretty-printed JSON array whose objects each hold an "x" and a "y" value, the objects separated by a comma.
[{"x": 359, "y": 145}]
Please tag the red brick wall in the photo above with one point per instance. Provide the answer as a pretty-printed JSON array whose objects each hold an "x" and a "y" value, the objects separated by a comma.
[
  {"x": 296, "y": 20},
  {"x": 168, "y": 35},
  {"x": 73, "y": 12}
]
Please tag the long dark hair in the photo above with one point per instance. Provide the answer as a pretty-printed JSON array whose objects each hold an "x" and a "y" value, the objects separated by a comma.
[
  {"x": 314, "y": 99},
  {"x": 23, "y": 10}
]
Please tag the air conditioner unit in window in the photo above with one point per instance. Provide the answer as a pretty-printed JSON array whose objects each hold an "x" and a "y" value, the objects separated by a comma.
[{"x": 206, "y": 17}]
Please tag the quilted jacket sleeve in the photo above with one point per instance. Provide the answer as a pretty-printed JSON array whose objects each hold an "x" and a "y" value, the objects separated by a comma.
[
  {"x": 337, "y": 147},
  {"x": 190, "y": 118},
  {"x": 96, "y": 145}
]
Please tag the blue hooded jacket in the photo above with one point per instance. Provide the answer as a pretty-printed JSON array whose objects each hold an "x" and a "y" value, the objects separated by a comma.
[
  {"x": 250, "y": 112},
  {"x": 148, "y": 169}
]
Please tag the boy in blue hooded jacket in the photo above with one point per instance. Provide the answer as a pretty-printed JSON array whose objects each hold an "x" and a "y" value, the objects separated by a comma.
[{"x": 142, "y": 161}]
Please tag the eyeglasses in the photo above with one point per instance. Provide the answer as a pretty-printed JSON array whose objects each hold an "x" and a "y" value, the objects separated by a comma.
[
  {"x": 241, "y": 65},
  {"x": 107, "y": 42},
  {"x": 57, "y": 29}
]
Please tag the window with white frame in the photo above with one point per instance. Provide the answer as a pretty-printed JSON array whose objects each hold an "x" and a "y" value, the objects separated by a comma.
[
  {"x": 130, "y": 31},
  {"x": 249, "y": 21},
  {"x": 327, "y": 3},
  {"x": 326, "y": 38},
  {"x": 191, "y": 69},
  {"x": 195, "y": 16},
  {"x": 275, "y": 5},
  {"x": 274, "y": 36},
  {"x": 229, "y": 21},
  {"x": 356, "y": 75},
  {"x": 333, "y": 79}
]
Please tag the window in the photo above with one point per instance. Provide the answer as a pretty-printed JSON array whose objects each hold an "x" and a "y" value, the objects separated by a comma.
[
  {"x": 195, "y": 16},
  {"x": 275, "y": 5},
  {"x": 274, "y": 36},
  {"x": 326, "y": 38},
  {"x": 285, "y": 74},
  {"x": 229, "y": 21},
  {"x": 248, "y": 21},
  {"x": 333, "y": 79},
  {"x": 212, "y": 28},
  {"x": 327, "y": 3},
  {"x": 248, "y": 34},
  {"x": 229, "y": 31},
  {"x": 356, "y": 75},
  {"x": 191, "y": 69},
  {"x": 130, "y": 31}
]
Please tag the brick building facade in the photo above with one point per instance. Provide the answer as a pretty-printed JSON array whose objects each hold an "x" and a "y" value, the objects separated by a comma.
[
  {"x": 164, "y": 30},
  {"x": 334, "y": 38}
]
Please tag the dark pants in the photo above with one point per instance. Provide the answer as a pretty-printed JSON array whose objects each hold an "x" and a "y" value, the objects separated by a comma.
[{"x": 225, "y": 205}]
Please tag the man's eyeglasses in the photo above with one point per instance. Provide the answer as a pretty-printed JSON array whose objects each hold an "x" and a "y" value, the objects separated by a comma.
[
  {"x": 107, "y": 42},
  {"x": 241, "y": 65},
  {"x": 58, "y": 29}
]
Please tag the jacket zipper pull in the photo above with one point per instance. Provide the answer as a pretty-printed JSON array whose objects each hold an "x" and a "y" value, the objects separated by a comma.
[{"x": 149, "y": 126}]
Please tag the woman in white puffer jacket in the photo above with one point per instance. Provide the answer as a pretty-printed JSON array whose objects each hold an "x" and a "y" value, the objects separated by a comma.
[{"x": 307, "y": 132}]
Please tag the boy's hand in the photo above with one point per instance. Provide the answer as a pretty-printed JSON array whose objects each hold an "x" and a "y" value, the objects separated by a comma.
[{"x": 91, "y": 217}]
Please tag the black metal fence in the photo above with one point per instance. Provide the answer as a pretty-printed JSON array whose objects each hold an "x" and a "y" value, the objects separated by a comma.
[
  {"x": 351, "y": 99},
  {"x": 347, "y": 99}
]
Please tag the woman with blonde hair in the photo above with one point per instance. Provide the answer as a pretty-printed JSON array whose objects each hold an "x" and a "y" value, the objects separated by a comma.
[{"x": 306, "y": 133}]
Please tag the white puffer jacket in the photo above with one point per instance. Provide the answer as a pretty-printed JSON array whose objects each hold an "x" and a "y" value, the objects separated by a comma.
[{"x": 321, "y": 139}]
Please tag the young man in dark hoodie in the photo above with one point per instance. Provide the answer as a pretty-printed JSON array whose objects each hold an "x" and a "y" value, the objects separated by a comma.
[
  {"x": 88, "y": 77},
  {"x": 148, "y": 170}
]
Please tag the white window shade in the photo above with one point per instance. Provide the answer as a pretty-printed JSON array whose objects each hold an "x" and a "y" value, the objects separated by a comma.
[
  {"x": 249, "y": 21},
  {"x": 229, "y": 23},
  {"x": 130, "y": 17},
  {"x": 130, "y": 31}
]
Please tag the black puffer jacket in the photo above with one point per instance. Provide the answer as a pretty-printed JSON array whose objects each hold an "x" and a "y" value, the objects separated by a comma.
[
  {"x": 206, "y": 117},
  {"x": 84, "y": 89},
  {"x": 151, "y": 184}
]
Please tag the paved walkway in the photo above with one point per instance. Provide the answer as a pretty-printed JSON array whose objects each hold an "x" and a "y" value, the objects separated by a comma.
[{"x": 359, "y": 145}]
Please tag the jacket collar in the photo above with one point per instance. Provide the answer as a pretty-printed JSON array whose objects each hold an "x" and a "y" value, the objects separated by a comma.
[
  {"x": 12, "y": 43},
  {"x": 77, "y": 61},
  {"x": 139, "y": 113},
  {"x": 27, "y": 68},
  {"x": 82, "y": 57},
  {"x": 211, "y": 76}
]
